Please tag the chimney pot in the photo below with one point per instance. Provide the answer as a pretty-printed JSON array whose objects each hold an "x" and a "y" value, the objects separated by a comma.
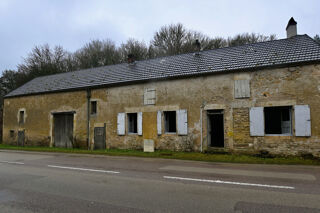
[
  {"x": 130, "y": 58},
  {"x": 198, "y": 45},
  {"x": 291, "y": 28}
]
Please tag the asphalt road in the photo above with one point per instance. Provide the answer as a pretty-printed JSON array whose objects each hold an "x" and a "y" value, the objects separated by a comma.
[{"x": 46, "y": 182}]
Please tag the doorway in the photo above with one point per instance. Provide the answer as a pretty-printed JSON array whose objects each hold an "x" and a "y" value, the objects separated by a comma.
[
  {"x": 215, "y": 128},
  {"x": 21, "y": 138},
  {"x": 100, "y": 137},
  {"x": 63, "y": 130}
]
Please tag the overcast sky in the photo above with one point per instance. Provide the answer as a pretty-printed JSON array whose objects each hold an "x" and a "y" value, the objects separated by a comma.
[{"x": 71, "y": 23}]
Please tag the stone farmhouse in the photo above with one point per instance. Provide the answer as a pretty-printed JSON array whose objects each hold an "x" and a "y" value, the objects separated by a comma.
[{"x": 251, "y": 98}]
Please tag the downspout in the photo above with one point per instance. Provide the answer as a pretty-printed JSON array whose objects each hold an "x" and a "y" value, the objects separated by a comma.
[
  {"x": 88, "y": 117},
  {"x": 201, "y": 139}
]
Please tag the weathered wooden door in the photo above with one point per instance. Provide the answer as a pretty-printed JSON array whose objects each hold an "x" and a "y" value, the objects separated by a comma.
[
  {"x": 99, "y": 138},
  {"x": 63, "y": 130},
  {"x": 21, "y": 138}
]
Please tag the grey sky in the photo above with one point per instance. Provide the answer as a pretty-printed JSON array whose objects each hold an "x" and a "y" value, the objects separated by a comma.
[{"x": 24, "y": 24}]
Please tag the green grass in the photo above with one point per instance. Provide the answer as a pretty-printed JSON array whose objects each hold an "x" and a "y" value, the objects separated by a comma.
[{"x": 228, "y": 158}]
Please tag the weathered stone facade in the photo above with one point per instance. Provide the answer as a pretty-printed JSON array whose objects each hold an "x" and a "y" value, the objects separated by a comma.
[{"x": 269, "y": 87}]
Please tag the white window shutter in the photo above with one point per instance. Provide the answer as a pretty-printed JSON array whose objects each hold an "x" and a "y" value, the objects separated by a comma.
[
  {"x": 302, "y": 120},
  {"x": 121, "y": 123},
  {"x": 182, "y": 122},
  {"x": 159, "y": 123},
  {"x": 256, "y": 121},
  {"x": 139, "y": 123}
]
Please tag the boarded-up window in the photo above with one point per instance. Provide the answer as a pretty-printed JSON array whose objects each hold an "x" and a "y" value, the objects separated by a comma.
[
  {"x": 242, "y": 88},
  {"x": 256, "y": 121},
  {"x": 149, "y": 96},
  {"x": 302, "y": 120},
  {"x": 93, "y": 107},
  {"x": 21, "y": 117},
  {"x": 182, "y": 116},
  {"x": 121, "y": 124}
]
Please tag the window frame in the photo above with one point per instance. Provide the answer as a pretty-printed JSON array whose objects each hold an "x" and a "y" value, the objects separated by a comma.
[
  {"x": 165, "y": 113},
  {"x": 91, "y": 107},
  {"x": 11, "y": 133},
  {"x": 22, "y": 118},
  {"x": 135, "y": 127},
  {"x": 290, "y": 108}
]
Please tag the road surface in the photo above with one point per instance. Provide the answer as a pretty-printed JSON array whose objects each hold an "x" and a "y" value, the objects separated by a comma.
[{"x": 56, "y": 182}]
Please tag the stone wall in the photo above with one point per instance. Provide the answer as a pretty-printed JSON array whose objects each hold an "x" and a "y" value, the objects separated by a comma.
[{"x": 241, "y": 129}]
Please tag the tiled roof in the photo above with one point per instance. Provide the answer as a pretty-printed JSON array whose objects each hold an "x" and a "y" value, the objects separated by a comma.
[{"x": 298, "y": 49}]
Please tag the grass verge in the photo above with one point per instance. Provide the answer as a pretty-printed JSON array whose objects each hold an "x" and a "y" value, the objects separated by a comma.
[{"x": 227, "y": 158}]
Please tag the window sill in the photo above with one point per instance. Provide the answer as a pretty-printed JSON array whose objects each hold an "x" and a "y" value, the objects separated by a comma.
[
  {"x": 132, "y": 133},
  {"x": 278, "y": 135},
  {"x": 170, "y": 133}
]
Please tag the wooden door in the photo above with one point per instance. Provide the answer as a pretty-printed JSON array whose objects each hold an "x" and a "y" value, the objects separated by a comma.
[
  {"x": 63, "y": 130},
  {"x": 99, "y": 138},
  {"x": 21, "y": 138}
]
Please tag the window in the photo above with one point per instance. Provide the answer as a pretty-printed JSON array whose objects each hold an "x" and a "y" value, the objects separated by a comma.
[
  {"x": 11, "y": 133},
  {"x": 242, "y": 88},
  {"x": 170, "y": 121},
  {"x": 21, "y": 117},
  {"x": 277, "y": 120},
  {"x": 149, "y": 96},
  {"x": 132, "y": 123},
  {"x": 93, "y": 107}
]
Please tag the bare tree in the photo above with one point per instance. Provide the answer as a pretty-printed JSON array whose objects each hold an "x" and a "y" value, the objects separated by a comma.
[
  {"x": 176, "y": 39},
  {"x": 95, "y": 54},
  {"x": 8, "y": 81},
  {"x": 169, "y": 40},
  {"x": 138, "y": 49},
  {"x": 42, "y": 60},
  {"x": 246, "y": 38}
]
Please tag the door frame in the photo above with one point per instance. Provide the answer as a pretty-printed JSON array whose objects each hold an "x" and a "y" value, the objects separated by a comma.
[
  {"x": 214, "y": 112},
  {"x": 104, "y": 135},
  {"x": 53, "y": 126}
]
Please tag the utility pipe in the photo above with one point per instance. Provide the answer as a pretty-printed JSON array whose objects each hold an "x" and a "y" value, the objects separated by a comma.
[
  {"x": 88, "y": 117},
  {"x": 201, "y": 149}
]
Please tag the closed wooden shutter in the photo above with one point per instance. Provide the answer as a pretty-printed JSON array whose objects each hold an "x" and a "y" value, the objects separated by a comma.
[
  {"x": 302, "y": 120},
  {"x": 139, "y": 123},
  {"x": 242, "y": 88},
  {"x": 182, "y": 116},
  {"x": 159, "y": 123},
  {"x": 256, "y": 121},
  {"x": 121, "y": 123}
]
